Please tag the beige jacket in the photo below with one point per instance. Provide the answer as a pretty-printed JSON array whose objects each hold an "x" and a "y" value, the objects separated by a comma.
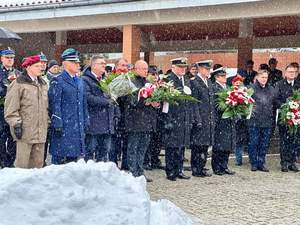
[{"x": 26, "y": 103}]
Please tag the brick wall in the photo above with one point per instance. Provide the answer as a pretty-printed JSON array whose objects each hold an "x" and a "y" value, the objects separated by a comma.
[{"x": 230, "y": 59}]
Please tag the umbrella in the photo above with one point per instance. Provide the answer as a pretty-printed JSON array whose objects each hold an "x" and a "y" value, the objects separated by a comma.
[{"x": 7, "y": 35}]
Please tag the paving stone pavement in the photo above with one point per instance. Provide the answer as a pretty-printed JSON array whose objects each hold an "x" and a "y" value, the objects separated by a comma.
[{"x": 247, "y": 198}]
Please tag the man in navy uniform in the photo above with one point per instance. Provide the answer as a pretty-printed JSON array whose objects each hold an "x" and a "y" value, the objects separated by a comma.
[
  {"x": 68, "y": 111},
  {"x": 202, "y": 135},
  {"x": 7, "y": 144},
  {"x": 177, "y": 123},
  {"x": 225, "y": 134}
]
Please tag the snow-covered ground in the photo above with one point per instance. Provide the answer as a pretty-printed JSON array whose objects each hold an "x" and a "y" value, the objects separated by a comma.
[{"x": 81, "y": 194}]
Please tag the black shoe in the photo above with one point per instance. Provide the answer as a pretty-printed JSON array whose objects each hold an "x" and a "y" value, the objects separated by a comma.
[
  {"x": 182, "y": 176},
  {"x": 219, "y": 173},
  {"x": 147, "y": 167},
  {"x": 229, "y": 172},
  {"x": 284, "y": 169},
  {"x": 157, "y": 165},
  {"x": 239, "y": 164},
  {"x": 253, "y": 168},
  {"x": 204, "y": 173},
  {"x": 263, "y": 169},
  {"x": 196, "y": 175},
  {"x": 205, "y": 169},
  {"x": 294, "y": 168},
  {"x": 171, "y": 178}
]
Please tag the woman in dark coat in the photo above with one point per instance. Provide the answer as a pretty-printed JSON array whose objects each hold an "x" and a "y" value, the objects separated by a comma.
[
  {"x": 241, "y": 127},
  {"x": 225, "y": 133}
]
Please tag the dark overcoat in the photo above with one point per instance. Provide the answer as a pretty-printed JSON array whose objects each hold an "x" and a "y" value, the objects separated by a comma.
[
  {"x": 103, "y": 113},
  {"x": 138, "y": 116},
  {"x": 178, "y": 121},
  {"x": 225, "y": 130},
  {"x": 68, "y": 111},
  {"x": 203, "y": 134}
]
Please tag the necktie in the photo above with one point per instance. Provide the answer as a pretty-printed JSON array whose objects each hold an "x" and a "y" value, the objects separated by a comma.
[{"x": 75, "y": 80}]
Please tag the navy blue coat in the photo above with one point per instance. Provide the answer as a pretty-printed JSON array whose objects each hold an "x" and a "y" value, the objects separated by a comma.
[
  {"x": 104, "y": 115},
  {"x": 68, "y": 111},
  {"x": 204, "y": 134},
  {"x": 225, "y": 130},
  {"x": 179, "y": 119},
  {"x": 264, "y": 102}
]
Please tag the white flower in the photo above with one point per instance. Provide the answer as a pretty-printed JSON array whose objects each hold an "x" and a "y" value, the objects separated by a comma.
[{"x": 293, "y": 105}]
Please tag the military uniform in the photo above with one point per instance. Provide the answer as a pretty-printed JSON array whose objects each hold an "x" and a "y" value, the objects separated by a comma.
[
  {"x": 224, "y": 135},
  {"x": 177, "y": 127},
  {"x": 7, "y": 144},
  {"x": 202, "y": 134}
]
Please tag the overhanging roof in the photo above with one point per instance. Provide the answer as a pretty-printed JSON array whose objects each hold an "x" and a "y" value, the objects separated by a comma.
[
  {"x": 18, "y": 5},
  {"x": 95, "y": 14}
]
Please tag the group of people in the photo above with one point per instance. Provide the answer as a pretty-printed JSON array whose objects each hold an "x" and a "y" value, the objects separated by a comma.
[{"x": 66, "y": 113}]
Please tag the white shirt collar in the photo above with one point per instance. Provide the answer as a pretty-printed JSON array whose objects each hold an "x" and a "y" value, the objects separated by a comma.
[
  {"x": 222, "y": 85},
  {"x": 202, "y": 78},
  {"x": 94, "y": 74}
]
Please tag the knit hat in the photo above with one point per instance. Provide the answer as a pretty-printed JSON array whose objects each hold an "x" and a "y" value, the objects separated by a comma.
[{"x": 52, "y": 63}]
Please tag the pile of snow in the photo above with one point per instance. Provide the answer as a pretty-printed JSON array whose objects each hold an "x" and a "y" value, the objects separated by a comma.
[{"x": 81, "y": 194}]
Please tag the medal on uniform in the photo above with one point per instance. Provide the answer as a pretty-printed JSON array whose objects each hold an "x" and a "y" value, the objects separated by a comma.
[{"x": 187, "y": 90}]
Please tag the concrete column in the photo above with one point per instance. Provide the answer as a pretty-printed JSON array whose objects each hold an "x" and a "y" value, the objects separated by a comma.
[
  {"x": 131, "y": 43},
  {"x": 245, "y": 41},
  {"x": 60, "y": 44},
  {"x": 149, "y": 58}
]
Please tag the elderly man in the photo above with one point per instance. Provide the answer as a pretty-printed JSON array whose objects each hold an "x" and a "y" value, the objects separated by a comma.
[
  {"x": 26, "y": 112},
  {"x": 102, "y": 111},
  {"x": 140, "y": 122},
  {"x": 7, "y": 144},
  {"x": 68, "y": 110}
]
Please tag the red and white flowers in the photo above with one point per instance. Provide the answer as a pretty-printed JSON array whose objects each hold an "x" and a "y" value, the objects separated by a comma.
[
  {"x": 290, "y": 113},
  {"x": 235, "y": 101},
  {"x": 146, "y": 91}
]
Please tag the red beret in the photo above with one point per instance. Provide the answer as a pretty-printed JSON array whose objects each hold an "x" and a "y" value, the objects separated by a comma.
[
  {"x": 237, "y": 78},
  {"x": 30, "y": 60}
]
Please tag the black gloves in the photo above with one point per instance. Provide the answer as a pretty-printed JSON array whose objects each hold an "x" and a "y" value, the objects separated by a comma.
[
  {"x": 18, "y": 131},
  {"x": 58, "y": 132}
]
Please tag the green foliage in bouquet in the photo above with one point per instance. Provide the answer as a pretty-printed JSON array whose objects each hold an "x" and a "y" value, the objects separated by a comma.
[
  {"x": 2, "y": 100},
  {"x": 165, "y": 92},
  {"x": 289, "y": 112},
  {"x": 242, "y": 108},
  {"x": 117, "y": 84}
]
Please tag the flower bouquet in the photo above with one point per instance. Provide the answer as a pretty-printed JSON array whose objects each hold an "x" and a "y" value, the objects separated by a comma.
[
  {"x": 290, "y": 113},
  {"x": 164, "y": 92},
  {"x": 118, "y": 83},
  {"x": 235, "y": 102},
  {"x": 11, "y": 77}
]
